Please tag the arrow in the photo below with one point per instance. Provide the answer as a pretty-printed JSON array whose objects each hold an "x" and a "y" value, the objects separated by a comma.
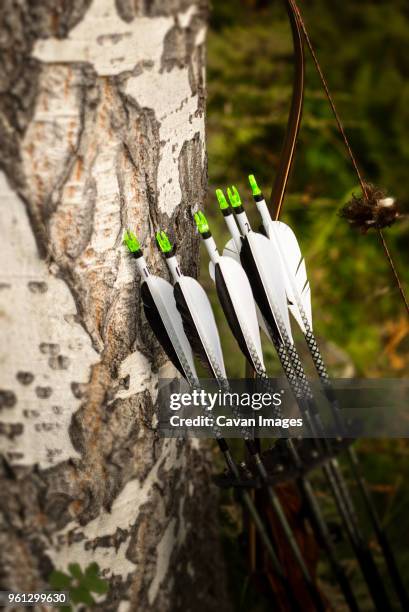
[
  {"x": 299, "y": 299},
  {"x": 163, "y": 316},
  {"x": 261, "y": 263},
  {"x": 161, "y": 312},
  {"x": 236, "y": 298},
  {"x": 198, "y": 320}
]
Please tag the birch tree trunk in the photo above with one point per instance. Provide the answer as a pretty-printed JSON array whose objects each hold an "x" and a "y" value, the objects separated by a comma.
[{"x": 101, "y": 128}]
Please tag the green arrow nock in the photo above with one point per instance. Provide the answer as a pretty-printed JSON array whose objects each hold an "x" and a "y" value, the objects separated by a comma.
[
  {"x": 201, "y": 222},
  {"x": 253, "y": 184},
  {"x": 131, "y": 241},
  {"x": 221, "y": 199},
  {"x": 234, "y": 196},
  {"x": 163, "y": 242}
]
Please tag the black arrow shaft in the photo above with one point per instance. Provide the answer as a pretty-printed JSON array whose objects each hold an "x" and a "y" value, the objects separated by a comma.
[
  {"x": 333, "y": 477},
  {"x": 356, "y": 467},
  {"x": 317, "y": 520},
  {"x": 246, "y": 346},
  {"x": 292, "y": 542}
]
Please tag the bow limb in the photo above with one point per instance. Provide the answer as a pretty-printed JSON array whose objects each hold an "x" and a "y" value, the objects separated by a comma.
[{"x": 294, "y": 117}]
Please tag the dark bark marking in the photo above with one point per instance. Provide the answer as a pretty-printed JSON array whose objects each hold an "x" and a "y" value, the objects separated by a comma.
[
  {"x": 59, "y": 362},
  {"x": 37, "y": 287},
  {"x": 129, "y": 9},
  {"x": 193, "y": 188},
  {"x": 47, "y": 426},
  {"x": 55, "y": 505},
  {"x": 8, "y": 398},
  {"x": 14, "y": 456},
  {"x": 109, "y": 541},
  {"x": 30, "y": 414},
  {"x": 72, "y": 319},
  {"x": 126, "y": 10},
  {"x": 79, "y": 389},
  {"x": 49, "y": 348},
  {"x": 177, "y": 49},
  {"x": 43, "y": 392},
  {"x": 179, "y": 44},
  {"x": 25, "y": 378},
  {"x": 11, "y": 430},
  {"x": 124, "y": 382},
  {"x": 196, "y": 79},
  {"x": 113, "y": 38}
]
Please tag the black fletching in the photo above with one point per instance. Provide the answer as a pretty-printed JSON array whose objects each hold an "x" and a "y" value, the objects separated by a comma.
[
  {"x": 191, "y": 329},
  {"x": 158, "y": 327},
  {"x": 251, "y": 269},
  {"x": 230, "y": 313}
]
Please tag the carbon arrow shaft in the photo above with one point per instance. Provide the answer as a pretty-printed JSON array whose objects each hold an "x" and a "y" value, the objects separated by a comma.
[
  {"x": 356, "y": 468},
  {"x": 230, "y": 308},
  {"x": 172, "y": 346},
  {"x": 231, "y": 298},
  {"x": 304, "y": 321},
  {"x": 276, "y": 201},
  {"x": 341, "y": 496},
  {"x": 219, "y": 375},
  {"x": 294, "y": 371}
]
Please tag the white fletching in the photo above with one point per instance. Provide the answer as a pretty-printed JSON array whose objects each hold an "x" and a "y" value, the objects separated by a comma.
[
  {"x": 269, "y": 268},
  {"x": 230, "y": 250},
  {"x": 294, "y": 270},
  {"x": 203, "y": 317},
  {"x": 162, "y": 294},
  {"x": 242, "y": 299}
]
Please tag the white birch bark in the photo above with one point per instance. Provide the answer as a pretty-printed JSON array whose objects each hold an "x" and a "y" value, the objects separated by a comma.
[{"x": 101, "y": 128}]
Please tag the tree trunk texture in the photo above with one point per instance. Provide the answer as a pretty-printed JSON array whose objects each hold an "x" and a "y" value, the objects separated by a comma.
[{"x": 101, "y": 128}]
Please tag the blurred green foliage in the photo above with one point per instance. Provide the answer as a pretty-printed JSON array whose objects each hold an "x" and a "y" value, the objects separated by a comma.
[
  {"x": 250, "y": 70},
  {"x": 80, "y": 585},
  {"x": 358, "y": 312}
]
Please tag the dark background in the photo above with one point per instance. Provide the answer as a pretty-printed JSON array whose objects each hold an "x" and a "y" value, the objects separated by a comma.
[{"x": 358, "y": 314}]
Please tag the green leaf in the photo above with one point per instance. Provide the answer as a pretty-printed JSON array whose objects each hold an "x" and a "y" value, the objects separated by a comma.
[
  {"x": 92, "y": 570},
  {"x": 81, "y": 595},
  {"x": 75, "y": 570},
  {"x": 92, "y": 580},
  {"x": 59, "y": 580},
  {"x": 99, "y": 586},
  {"x": 95, "y": 584}
]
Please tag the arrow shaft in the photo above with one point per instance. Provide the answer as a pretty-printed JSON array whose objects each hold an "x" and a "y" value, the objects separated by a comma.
[
  {"x": 294, "y": 371},
  {"x": 299, "y": 384},
  {"x": 275, "y": 502},
  {"x": 352, "y": 457},
  {"x": 233, "y": 468},
  {"x": 252, "y": 447},
  {"x": 355, "y": 466},
  {"x": 364, "y": 557},
  {"x": 317, "y": 519},
  {"x": 324, "y": 378},
  {"x": 222, "y": 443}
]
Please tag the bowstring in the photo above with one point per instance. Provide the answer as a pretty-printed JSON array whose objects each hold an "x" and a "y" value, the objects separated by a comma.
[{"x": 341, "y": 129}]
